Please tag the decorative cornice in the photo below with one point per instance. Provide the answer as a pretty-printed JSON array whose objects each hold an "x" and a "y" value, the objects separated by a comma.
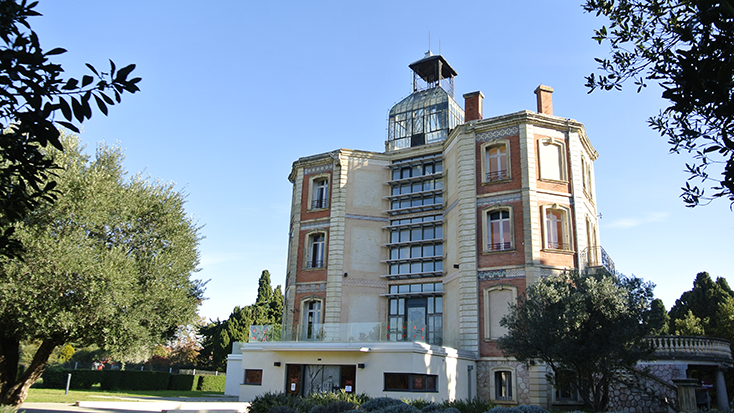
[
  {"x": 497, "y": 133},
  {"x": 364, "y": 282},
  {"x": 367, "y": 218},
  {"x": 504, "y": 273},
  {"x": 319, "y": 168},
  {"x": 310, "y": 288},
  {"x": 485, "y": 201},
  {"x": 315, "y": 225}
]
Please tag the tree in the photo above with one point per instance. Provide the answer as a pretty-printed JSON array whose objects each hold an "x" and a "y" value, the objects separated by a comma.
[
  {"x": 658, "y": 318},
  {"x": 218, "y": 336},
  {"x": 707, "y": 309},
  {"x": 109, "y": 263},
  {"x": 687, "y": 48},
  {"x": 32, "y": 94},
  {"x": 583, "y": 327}
]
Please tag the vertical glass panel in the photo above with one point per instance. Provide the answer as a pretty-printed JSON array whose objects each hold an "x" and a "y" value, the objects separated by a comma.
[
  {"x": 415, "y": 268},
  {"x": 415, "y": 251},
  {"x": 439, "y": 231},
  {"x": 439, "y": 167},
  {"x": 415, "y": 288},
  {"x": 405, "y": 203},
  {"x": 404, "y": 268},
  {"x": 417, "y": 202},
  {"x": 428, "y": 266},
  {"x": 393, "y": 289},
  {"x": 428, "y": 250},
  {"x": 428, "y": 233},
  {"x": 395, "y": 174},
  {"x": 394, "y": 269},
  {"x": 395, "y": 204},
  {"x": 428, "y": 168},
  {"x": 439, "y": 305},
  {"x": 395, "y": 190},
  {"x": 438, "y": 286},
  {"x": 405, "y": 173},
  {"x": 404, "y": 235},
  {"x": 405, "y": 188},
  {"x": 429, "y": 300},
  {"x": 439, "y": 184},
  {"x": 417, "y": 187},
  {"x": 416, "y": 234},
  {"x": 393, "y": 305},
  {"x": 416, "y": 220},
  {"x": 428, "y": 287},
  {"x": 438, "y": 250},
  {"x": 417, "y": 323},
  {"x": 394, "y": 236},
  {"x": 401, "y": 306},
  {"x": 403, "y": 288},
  {"x": 394, "y": 253},
  {"x": 438, "y": 266},
  {"x": 404, "y": 253},
  {"x": 417, "y": 170},
  {"x": 439, "y": 199}
]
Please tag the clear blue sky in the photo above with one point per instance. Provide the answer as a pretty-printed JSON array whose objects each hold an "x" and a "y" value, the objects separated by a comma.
[{"x": 234, "y": 91}]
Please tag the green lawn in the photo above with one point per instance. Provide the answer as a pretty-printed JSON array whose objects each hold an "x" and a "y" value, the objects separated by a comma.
[{"x": 37, "y": 395}]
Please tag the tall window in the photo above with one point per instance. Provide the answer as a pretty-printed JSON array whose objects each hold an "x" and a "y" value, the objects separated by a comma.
[
  {"x": 552, "y": 160},
  {"x": 497, "y": 299},
  {"x": 499, "y": 231},
  {"x": 497, "y": 163},
  {"x": 320, "y": 193},
  {"x": 414, "y": 318},
  {"x": 503, "y": 385},
  {"x": 312, "y": 322},
  {"x": 316, "y": 246},
  {"x": 556, "y": 232}
]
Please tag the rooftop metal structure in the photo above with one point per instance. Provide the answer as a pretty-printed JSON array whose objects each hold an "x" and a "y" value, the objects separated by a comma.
[{"x": 429, "y": 113}]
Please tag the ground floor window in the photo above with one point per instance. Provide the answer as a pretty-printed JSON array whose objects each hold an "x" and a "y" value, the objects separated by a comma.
[
  {"x": 411, "y": 382},
  {"x": 253, "y": 376},
  {"x": 306, "y": 379},
  {"x": 503, "y": 385}
]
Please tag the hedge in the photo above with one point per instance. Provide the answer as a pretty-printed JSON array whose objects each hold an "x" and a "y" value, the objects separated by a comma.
[
  {"x": 183, "y": 382},
  {"x": 54, "y": 378},
  {"x": 134, "y": 380},
  {"x": 212, "y": 383}
]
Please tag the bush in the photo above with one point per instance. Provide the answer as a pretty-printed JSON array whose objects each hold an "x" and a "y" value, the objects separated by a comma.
[
  {"x": 183, "y": 382},
  {"x": 380, "y": 403},
  {"x": 283, "y": 409},
  {"x": 431, "y": 407},
  {"x": 419, "y": 403},
  {"x": 337, "y": 406},
  {"x": 475, "y": 405},
  {"x": 134, "y": 380},
  {"x": 400, "y": 408},
  {"x": 268, "y": 401},
  {"x": 55, "y": 378},
  {"x": 326, "y": 398},
  {"x": 519, "y": 409},
  {"x": 212, "y": 383}
]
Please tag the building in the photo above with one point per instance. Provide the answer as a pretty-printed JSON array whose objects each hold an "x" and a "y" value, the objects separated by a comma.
[{"x": 401, "y": 263}]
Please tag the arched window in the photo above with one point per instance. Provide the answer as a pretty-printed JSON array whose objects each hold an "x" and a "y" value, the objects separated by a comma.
[
  {"x": 556, "y": 227},
  {"x": 311, "y": 325},
  {"x": 316, "y": 250},
  {"x": 552, "y": 160},
  {"x": 496, "y": 162},
  {"x": 496, "y": 300}
]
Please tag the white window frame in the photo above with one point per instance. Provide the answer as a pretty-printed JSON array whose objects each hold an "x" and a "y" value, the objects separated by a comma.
[
  {"x": 564, "y": 239},
  {"x": 512, "y": 398},
  {"x": 311, "y": 261},
  {"x": 486, "y": 221},
  {"x": 313, "y": 192},
  {"x": 309, "y": 324},
  {"x": 586, "y": 178},
  {"x": 488, "y": 332},
  {"x": 506, "y": 174},
  {"x": 562, "y": 165}
]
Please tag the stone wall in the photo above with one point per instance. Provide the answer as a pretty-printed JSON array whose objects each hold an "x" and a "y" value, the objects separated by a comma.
[
  {"x": 640, "y": 393},
  {"x": 521, "y": 380}
]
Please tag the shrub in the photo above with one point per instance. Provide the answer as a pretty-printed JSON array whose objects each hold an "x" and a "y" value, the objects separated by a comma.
[
  {"x": 184, "y": 382},
  {"x": 134, "y": 380},
  {"x": 380, "y": 403},
  {"x": 400, "y": 408},
  {"x": 419, "y": 403},
  {"x": 338, "y": 406},
  {"x": 326, "y": 398},
  {"x": 431, "y": 407},
  {"x": 268, "y": 401},
  {"x": 523, "y": 408},
  {"x": 283, "y": 409},
  {"x": 475, "y": 405},
  {"x": 55, "y": 378},
  {"x": 212, "y": 383}
]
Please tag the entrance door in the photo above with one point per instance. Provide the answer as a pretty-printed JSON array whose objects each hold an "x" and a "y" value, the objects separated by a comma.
[
  {"x": 293, "y": 385},
  {"x": 416, "y": 322}
]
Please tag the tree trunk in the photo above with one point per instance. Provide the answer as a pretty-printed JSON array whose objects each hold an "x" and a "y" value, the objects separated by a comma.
[
  {"x": 9, "y": 356},
  {"x": 15, "y": 392}
]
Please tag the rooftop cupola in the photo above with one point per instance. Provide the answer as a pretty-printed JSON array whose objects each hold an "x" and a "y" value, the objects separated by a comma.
[{"x": 429, "y": 113}]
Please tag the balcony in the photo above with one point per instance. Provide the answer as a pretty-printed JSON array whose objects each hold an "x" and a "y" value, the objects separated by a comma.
[
  {"x": 341, "y": 333},
  {"x": 596, "y": 257},
  {"x": 690, "y": 348}
]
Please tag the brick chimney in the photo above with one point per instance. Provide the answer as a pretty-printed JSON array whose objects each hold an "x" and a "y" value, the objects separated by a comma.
[
  {"x": 473, "y": 106},
  {"x": 545, "y": 99}
]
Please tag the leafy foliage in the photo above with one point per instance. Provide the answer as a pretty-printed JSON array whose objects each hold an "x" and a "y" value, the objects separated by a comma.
[
  {"x": 218, "y": 336},
  {"x": 108, "y": 263},
  {"x": 475, "y": 405},
  {"x": 32, "y": 94},
  {"x": 588, "y": 325},
  {"x": 687, "y": 48},
  {"x": 705, "y": 310}
]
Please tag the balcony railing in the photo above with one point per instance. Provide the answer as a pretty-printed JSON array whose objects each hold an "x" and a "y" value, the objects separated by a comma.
[
  {"x": 596, "y": 257},
  {"x": 688, "y": 347},
  {"x": 497, "y": 175},
  {"x": 340, "y": 333},
  {"x": 319, "y": 203}
]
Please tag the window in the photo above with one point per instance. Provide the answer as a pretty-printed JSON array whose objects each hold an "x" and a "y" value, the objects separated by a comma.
[
  {"x": 253, "y": 377},
  {"x": 565, "y": 390},
  {"x": 499, "y": 229},
  {"x": 503, "y": 385},
  {"x": 316, "y": 247},
  {"x": 586, "y": 177},
  {"x": 411, "y": 382},
  {"x": 416, "y": 318},
  {"x": 318, "y": 191},
  {"x": 312, "y": 325},
  {"x": 552, "y": 160},
  {"x": 497, "y": 298},
  {"x": 556, "y": 228},
  {"x": 496, "y": 165}
]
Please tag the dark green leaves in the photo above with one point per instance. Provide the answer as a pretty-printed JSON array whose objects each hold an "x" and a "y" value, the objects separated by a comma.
[{"x": 687, "y": 48}]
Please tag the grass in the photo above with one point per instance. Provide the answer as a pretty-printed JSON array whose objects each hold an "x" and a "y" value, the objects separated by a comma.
[{"x": 36, "y": 395}]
